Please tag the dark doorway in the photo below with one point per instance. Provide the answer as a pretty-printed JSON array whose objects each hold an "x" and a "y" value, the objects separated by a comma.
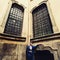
[{"x": 43, "y": 55}]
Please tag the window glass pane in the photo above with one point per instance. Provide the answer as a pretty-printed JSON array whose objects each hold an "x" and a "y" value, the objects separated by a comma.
[
  {"x": 14, "y": 21},
  {"x": 41, "y": 21}
]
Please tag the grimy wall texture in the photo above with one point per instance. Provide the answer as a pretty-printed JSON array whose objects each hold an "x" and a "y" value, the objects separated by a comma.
[
  {"x": 14, "y": 48},
  {"x": 12, "y": 51}
]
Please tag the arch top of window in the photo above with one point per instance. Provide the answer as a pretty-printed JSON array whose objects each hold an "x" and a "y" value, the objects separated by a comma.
[
  {"x": 39, "y": 7},
  {"x": 18, "y": 6}
]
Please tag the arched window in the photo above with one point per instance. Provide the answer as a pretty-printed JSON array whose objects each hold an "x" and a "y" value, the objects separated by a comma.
[
  {"x": 41, "y": 21},
  {"x": 15, "y": 20}
]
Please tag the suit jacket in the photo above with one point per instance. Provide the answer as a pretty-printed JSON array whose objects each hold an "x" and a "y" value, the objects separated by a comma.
[{"x": 30, "y": 53}]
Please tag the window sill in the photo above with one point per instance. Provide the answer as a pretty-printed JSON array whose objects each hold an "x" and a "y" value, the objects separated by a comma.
[
  {"x": 12, "y": 37},
  {"x": 46, "y": 38}
]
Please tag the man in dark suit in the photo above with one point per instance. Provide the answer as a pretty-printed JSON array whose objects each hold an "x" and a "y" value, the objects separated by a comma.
[{"x": 30, "y": 50}]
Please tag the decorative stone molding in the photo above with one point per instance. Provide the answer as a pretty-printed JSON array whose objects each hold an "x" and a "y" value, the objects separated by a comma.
[
  {"x": 9, "y": 37},
  {"x": 58, "y": 45},
  {"x": 14, "y": 1},
  {"x": 38, "y": 5},
  {"x": 46, "y": 38},
  {"x": 42, "y": 47}
]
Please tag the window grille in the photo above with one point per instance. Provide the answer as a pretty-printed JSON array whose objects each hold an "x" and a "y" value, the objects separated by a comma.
[
  {"x": 15, "y": 20},
  {"x": 41, "y": 21}
]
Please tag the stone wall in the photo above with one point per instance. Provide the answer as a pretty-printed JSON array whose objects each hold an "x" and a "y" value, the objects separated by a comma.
[
  {"x": 59, "y": 51},
  {"x": 12, "y": 51}
]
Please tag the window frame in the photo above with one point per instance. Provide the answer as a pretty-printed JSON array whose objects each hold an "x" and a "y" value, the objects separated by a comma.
[
  {"x": 22, "y": 9},
  {"x": 49, "y": 20}
]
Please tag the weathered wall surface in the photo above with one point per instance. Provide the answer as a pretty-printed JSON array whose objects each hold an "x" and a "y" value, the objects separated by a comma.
[{"x": 12, "y": 51}]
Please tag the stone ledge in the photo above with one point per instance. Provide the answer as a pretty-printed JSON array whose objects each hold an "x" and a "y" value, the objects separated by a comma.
[
  {"x": 12, "y": 37},
  {"x": 46, "y": 38}
]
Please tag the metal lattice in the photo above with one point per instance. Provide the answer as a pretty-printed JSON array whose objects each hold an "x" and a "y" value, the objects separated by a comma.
[
  {"x": 14, "y": 21},
  {"x": 41, "y": 21}
]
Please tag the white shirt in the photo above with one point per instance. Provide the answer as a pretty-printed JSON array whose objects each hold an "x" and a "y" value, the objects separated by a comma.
[{"x": 30, "y": 47}]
